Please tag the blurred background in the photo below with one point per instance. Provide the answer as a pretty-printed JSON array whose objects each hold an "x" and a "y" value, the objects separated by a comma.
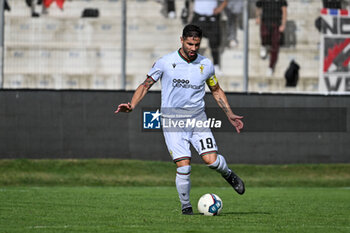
[{"x": 111, "y": 44}]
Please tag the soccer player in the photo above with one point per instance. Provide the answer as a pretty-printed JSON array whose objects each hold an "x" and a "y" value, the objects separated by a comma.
[{"x": 183, "y": 75}]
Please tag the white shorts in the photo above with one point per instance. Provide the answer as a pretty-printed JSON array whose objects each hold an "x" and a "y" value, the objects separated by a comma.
[{"x": 178, "y": 143}]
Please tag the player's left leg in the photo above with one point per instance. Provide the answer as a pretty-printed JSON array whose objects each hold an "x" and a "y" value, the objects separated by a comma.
[
  {"x": 204, "y": 143},
  {"x": 217, "y": 162}
]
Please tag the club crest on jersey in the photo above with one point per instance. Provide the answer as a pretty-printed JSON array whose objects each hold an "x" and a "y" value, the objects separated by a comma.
[
  {"x": 174, "y": 65},
  {"x": 201, "y": 68}
]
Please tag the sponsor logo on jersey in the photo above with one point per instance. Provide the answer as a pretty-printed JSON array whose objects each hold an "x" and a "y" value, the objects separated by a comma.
[{"x": 184, "y": 83}]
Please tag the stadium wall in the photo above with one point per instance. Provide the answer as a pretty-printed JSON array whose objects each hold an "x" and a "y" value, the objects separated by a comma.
[{"x": 81, "y": 124}]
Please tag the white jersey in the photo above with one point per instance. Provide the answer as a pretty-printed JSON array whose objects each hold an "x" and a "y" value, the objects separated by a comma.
[
  {"x": 183, "y": 82},
  {"x": 183, "y": 90}
]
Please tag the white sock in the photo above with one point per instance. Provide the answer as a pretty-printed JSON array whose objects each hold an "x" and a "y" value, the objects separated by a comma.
[
  {"x": 183, "y": 185},
  {"x": 220, "y": 166}
]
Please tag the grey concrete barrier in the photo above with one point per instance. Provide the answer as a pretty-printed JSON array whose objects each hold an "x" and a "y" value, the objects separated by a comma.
[{"x": 279, "y": 128}]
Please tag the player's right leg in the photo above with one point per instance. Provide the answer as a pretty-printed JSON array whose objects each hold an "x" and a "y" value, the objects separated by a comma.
[
  {"x": 179, "y": 149},
  {"x": 183, "y": 185}
]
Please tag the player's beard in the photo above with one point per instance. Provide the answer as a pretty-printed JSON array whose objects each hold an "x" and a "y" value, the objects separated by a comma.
[{"x": 190, "y": 54}]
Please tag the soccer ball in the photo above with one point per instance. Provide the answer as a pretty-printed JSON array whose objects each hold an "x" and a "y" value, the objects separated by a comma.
[{"x": 210, "y": 204}]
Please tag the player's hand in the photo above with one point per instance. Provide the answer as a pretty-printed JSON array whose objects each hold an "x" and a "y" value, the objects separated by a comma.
[
  {"x": 236, "y": 122},
  {"x": 124, "y": 108}
]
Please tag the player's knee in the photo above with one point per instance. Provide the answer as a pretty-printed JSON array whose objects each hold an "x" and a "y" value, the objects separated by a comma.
[
  {"x": 219, "y": 163},
  {"x": 183, "y": 172},
  {"x": 209, "y": 158},
  {"x": 182, "y": 163}
]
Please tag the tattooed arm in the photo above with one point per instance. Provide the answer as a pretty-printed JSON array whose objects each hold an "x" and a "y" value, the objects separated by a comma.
[
  {"x": 220, "y": 97},
  {"x": 139, "y": 93}
]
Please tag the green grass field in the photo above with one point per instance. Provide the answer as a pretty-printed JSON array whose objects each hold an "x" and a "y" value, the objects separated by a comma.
[{"x": 139, "y": 196}]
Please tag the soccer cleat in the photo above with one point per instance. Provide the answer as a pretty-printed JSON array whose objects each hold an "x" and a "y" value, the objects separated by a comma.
[
  {"x": 236, "y": 183},
  {"x": 187, "y": 211}
]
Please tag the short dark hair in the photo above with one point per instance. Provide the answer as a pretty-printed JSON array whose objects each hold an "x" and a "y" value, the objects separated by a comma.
[{"x": 191, "y": 30}]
